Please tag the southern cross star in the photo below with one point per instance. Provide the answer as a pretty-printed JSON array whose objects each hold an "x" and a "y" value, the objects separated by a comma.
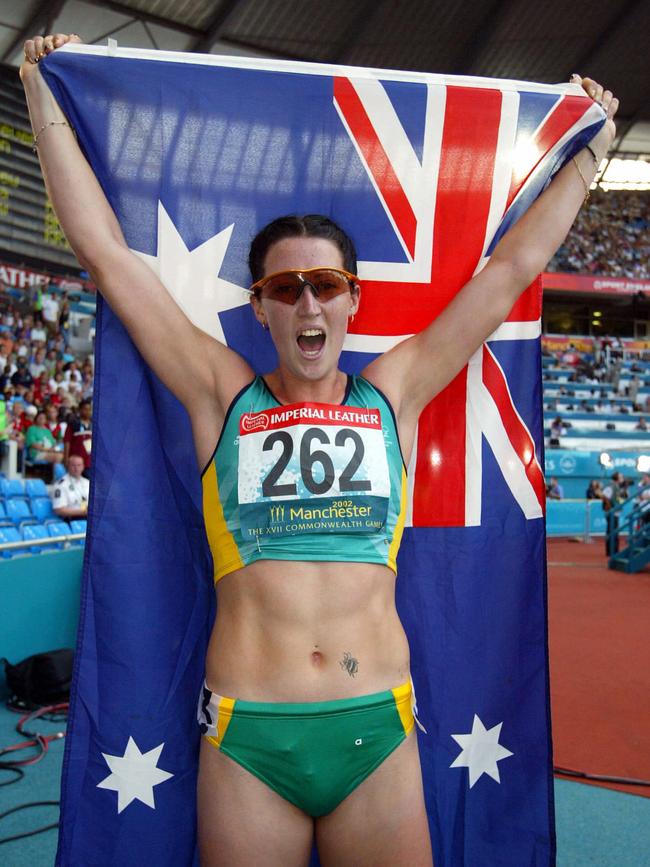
[
  {"x": 192, "y": 276},
  {"x": 481, "y": 751}
]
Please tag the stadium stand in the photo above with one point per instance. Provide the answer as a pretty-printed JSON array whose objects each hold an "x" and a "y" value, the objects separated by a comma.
[
  {"x": 42, "y": 367},
  {"x": 611, "y": 236},
  {"x": 596, "y": 400}
]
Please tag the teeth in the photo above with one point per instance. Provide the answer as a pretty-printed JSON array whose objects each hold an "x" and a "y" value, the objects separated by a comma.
[{"x": 311, "y": 332}]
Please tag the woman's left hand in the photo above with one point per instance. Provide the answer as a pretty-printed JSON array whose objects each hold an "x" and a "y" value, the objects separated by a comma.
[{"x": 602, "y": 141}]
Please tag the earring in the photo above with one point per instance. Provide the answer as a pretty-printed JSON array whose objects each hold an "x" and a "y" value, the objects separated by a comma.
[
  {"x": 351, "y": 317},
  {"x": 265, "y": 325}
]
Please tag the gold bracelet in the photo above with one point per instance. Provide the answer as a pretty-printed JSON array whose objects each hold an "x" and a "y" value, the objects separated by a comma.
[
  {"x": 584, "y": 181},
  {"x": 45, "y": 126}
]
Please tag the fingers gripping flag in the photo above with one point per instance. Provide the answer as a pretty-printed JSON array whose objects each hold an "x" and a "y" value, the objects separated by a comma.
[{"x": 195, "y": 154}]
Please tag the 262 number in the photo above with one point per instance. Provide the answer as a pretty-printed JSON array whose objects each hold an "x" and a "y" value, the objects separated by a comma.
[{"x": 311, "y": 457}]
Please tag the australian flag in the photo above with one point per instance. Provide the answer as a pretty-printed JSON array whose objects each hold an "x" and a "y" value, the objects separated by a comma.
[{"x": 426, "y": 172}]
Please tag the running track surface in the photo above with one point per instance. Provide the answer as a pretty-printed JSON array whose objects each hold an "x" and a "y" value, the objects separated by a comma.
[{"x": 599, "y": 640}]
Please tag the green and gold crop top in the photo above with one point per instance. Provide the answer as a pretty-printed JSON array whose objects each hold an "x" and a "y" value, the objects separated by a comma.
[{"x": 306, "y": 481}]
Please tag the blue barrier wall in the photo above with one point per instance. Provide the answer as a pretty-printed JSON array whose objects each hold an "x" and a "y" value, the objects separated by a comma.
[
  {"x": 40, "y": 603},
  {"x": 574, "y": 517},
  {"x": 575, "y": 469},
  {"x": 570, "y": 463}
]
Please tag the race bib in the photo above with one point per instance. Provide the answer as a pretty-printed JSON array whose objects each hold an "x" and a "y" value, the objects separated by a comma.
[{"x": 312, "y": 467}]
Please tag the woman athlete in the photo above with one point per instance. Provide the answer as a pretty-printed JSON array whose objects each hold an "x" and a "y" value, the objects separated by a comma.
[{"x": 306, "y": 709}]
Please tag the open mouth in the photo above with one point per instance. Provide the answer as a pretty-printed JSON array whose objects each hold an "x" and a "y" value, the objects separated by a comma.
[{"x": 311, "y": 342}]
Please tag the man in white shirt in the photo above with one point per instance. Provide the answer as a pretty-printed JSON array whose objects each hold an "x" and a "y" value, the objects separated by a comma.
[
  {"x": 38, "y": 334},
  {"x": 50, "y": 312},
  {"x": 70, "y": 497}
]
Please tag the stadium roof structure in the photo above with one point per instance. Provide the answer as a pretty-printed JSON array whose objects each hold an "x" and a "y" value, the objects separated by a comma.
[{"x": 535, "y": 40}]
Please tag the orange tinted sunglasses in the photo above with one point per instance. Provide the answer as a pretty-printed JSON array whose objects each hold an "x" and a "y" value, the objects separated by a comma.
[{"x": 288, "y": 286}]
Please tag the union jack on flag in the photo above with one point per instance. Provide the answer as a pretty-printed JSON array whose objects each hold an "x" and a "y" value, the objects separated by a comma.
[
  {"x": 195, "y": 154},
  {"x": 512, "y": 144}
]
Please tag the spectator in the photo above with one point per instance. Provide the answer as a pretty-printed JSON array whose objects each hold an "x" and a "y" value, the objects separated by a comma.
[
  {"x": 614, "y": 492},
  {"x": 58, "y": 344},
  {"x": 86, "y": 389},
  {"x": 37, "y": 365},
  {"x": 30, "y": 401},
  {"x": 554, "y": 490},
  {"x": 41, "y": 389},
  {"x": 56, "y": 382},
  {"x": 38, "y": 334},
  {"x": 641, "y": 424},
  {"x": 22, "y": 376},
  {"x": 56, "y": 427},
  {"x": 70, "y": 496},
  {"x": 18, "y": 423},
  {"x": 643, "y": 497},
  {"x": 595, "y": 490},
  {"x": 633, "y": 388},
  {"x": 558, "y": 428},
  {"x": 78, "y": 436},
  {"x": 64, "y": 322},
  {"x": 40, "y": 444},
  {"x": 5, "y": 379},
  {"x": 50, "y": 362},
  {"x": 50, "y": 313},
  {"x": 72, "y": 375}
]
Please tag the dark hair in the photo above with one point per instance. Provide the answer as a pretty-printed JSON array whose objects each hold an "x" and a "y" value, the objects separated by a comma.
[{"x": 293, "y": 226}]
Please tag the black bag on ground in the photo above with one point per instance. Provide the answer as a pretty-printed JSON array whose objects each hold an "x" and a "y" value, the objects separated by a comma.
[{"x": 41, "y": 679}]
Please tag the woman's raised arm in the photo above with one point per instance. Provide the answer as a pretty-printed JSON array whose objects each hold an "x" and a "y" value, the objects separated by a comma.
[
  {"x": 196, "y": 368},
  {"x": 415, "y": 371}
]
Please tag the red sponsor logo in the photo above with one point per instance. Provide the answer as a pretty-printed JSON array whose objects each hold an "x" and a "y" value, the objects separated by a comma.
[{"x": 258, "y": 421}]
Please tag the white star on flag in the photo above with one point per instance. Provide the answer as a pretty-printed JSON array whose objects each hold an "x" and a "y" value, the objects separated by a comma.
[
  {"x": 134, "y": 775},
  {"x": 481, "y": 751},
  {"x": 192, "y": 276}
]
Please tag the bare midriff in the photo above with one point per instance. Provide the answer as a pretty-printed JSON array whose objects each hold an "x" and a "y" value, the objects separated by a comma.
[{"x": 297, "y": 632}]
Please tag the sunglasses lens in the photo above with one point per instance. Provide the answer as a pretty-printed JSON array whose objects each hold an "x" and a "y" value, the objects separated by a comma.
[
  {"x": 328, "y": 284},
  {"x": 283, "y": 287},
  {"x": 287, "y": 286}
]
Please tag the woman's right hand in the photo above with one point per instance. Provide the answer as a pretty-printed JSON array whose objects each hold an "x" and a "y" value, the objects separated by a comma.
[{"x": 39, "y": 47}]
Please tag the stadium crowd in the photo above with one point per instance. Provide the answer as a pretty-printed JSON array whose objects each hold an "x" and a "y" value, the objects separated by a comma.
[
  {"x": 45, "y": 389},
  {"x": 611, "y": 236},
  {"x": 587, "y": 369}
]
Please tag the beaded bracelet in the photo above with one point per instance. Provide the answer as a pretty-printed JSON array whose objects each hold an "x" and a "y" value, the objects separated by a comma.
[{"x": 45, "y": 126}]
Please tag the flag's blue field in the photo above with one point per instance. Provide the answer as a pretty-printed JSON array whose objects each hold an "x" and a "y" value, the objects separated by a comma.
[{"x": 195, "y": 155}]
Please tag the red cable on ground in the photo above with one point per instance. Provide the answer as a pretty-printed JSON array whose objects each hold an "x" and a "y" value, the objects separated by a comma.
[{"x": 36, "y": 739}]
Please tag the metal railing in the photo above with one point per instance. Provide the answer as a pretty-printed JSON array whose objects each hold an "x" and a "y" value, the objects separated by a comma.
[
  {"x": 34, "y": 543},
  {"x": 627, "y": 519}
]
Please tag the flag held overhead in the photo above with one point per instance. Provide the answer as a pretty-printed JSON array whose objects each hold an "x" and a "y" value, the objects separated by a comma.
[{"x": 195, "y": 154}]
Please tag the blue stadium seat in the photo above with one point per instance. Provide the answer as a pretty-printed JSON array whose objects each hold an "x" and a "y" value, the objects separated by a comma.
[
  {"x": 38, "y": 531},
  {"x": 78, "y": 526},
  {"x": 9, "y": 534},
  {"x": 58, "y": 528},
  {"x": 12, "y": 488},
  {"x": 59, "y": 472},
  {"x": 42, "y": 509},
  {"x": 19, "y": 511},
  {"x": 35, "y": 488}
]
